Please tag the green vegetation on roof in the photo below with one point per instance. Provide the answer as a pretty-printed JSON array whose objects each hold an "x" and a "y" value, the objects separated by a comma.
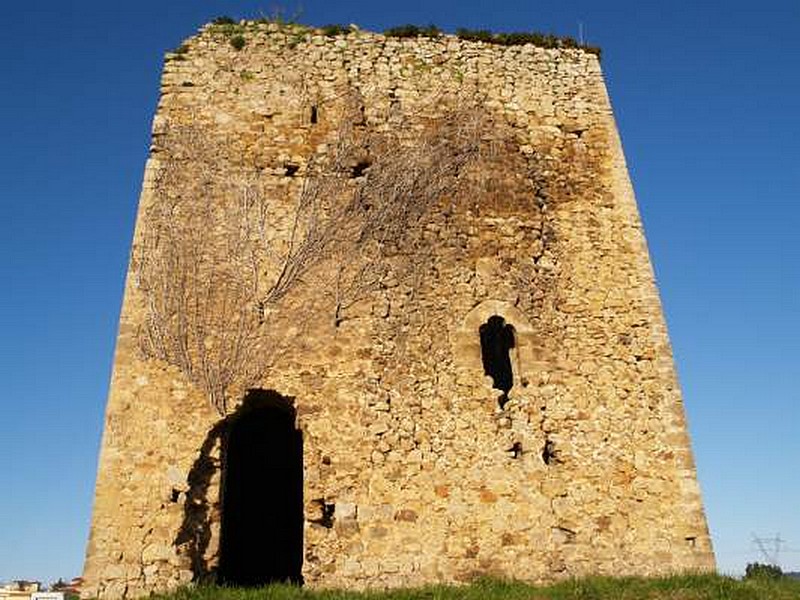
[
  {"x": 518, "y": 38},
  {"x": 335, "y": 29},
  {"x": 408, "y": 31},
  {"x": 235, "y": 31},
  {"x": 238, "y": 41}
]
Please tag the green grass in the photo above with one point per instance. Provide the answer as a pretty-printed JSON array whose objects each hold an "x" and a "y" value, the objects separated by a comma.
[{"x": 683, "y": 587}]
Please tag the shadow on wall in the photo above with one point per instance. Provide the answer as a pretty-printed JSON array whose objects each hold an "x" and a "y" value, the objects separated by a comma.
[{"x": 194, "y": 534}]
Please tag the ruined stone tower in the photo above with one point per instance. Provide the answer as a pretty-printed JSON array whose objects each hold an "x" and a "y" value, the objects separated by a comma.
[{"x": 389, "y": 320}]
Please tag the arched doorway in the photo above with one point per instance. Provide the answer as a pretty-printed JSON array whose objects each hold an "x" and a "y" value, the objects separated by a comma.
[{"x": 262, "y": 497}]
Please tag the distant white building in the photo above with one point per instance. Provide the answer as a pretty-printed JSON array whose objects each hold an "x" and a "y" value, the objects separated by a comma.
[
  {"x": 47, "y": 596},
  {"x": 19, "y": 590},
  {"x": 32, "y": 590}
]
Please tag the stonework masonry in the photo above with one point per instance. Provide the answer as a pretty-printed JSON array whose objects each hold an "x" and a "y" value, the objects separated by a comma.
[{"x": 416, "y": 468}]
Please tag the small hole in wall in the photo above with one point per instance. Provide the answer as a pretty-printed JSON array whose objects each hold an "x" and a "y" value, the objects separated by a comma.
[
  {"x": 291, "y": 170},
  {"x": 326, "y": 513},
  {"x": 314, "y": 115},
  {"x": 359, "y": 169},
  {"x": 691, "y": 541},
  {"x": 362, "y": 116},
  {"x": 174, "y": 495},
  {"x": 563, "y": 535},
  {"x": 515, "y": 450},
  {"x": 261, "y": 311},
  {"x": 549, "y": 454},
  {"x": 326, "y": 460}
]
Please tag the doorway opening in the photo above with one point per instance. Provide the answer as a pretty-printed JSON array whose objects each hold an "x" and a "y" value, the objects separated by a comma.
[
  {"x": 262, "y": 494},
  {"x": 497, "y": 340}
]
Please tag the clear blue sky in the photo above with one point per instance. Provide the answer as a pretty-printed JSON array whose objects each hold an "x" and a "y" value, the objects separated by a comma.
[{"x": 707, "y": 97}]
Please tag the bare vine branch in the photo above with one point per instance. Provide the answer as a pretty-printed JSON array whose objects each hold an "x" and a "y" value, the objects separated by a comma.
[{"x": 212, "y": 261}]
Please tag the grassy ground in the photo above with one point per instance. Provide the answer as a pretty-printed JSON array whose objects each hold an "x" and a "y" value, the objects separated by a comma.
[{"x": 685, "y": 587}]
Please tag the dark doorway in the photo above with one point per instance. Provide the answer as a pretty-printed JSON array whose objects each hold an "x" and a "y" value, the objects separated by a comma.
[
  {"x": 497, "y": 340},
  {"x": 262, "y": 498}
]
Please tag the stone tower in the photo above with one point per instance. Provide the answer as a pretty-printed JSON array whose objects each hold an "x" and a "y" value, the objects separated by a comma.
[{"x": 389, "y": 320}]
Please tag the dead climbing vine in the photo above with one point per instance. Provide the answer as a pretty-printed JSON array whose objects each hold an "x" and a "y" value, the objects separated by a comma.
[{"x": 218, "y": 253}]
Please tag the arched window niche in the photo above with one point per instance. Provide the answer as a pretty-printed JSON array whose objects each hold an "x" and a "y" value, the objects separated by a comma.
[
  {"x": 495, "y": 350},
  {"x": 497, "y": 346}
]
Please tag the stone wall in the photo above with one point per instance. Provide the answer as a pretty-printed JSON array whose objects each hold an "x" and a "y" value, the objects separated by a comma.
[{"x": 585, "y": 469}]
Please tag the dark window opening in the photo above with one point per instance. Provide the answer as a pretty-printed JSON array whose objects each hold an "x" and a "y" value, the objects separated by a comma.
[
  {"x": 262, "y": 497},
  {"x": 291, "y": 170},
  {"x": 326, "y": 513},
  {"x": 497, "y": 340},
  {"x": 515, "y": 450},
  {"x": 175, "y": 495},
  {"x": 359, "y": 169},
  {"x": 549, "y": 454},
  {"x": 362, "y": 116},
  {"x": 314, "y": 115}
]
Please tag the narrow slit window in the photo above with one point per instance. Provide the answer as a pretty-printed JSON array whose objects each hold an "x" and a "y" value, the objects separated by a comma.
[{"x": 497, "y": 340}]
